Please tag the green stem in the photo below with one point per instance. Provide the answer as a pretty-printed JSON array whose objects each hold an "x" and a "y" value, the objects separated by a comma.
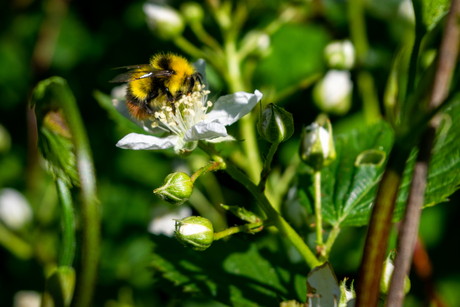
[
  {"x": 195, "y": 52},
  {"x": 242, "y": 228},
  {"x": 210, "y": 167},
  {"x": 365, "y": 80},
  {"x": 277, "y": 220},
  {"x": 318, "y": 215},
  {"x": 247, "y": 127},
  {"x": 330, "y": 240},
  {"x": 205, "y": 38},
  {"x": 188, "y": 47},
  {"x": 368, "y": 94},
  {"x": 67, "y": 251},
  {"x": 266, "y": 169},
  {"x": 90, "y": 209}
]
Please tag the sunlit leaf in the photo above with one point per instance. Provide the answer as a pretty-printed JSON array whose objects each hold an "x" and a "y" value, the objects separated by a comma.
[{"x": 253, "y": 274}]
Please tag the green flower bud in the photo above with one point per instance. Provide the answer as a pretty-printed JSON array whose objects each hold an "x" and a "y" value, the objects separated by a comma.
[
  {"x": 388, "y": 268},
  {"x": 317, "y": 146},
  {"x": 195, "y": 232},
  {"x": 333, "y": 93},
  {"x": 340, "y": 54},
  {"x": 61, "y": 285},
  {"x": 275, "y": 124},
  {"x": 177, "y": 188},
  {"x": 164, "y": 21},
  {"x": 192, "y": 12}
]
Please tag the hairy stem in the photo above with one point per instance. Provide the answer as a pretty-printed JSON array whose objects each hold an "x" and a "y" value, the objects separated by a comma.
[
  {"x": 210, "y": 167},
  {"x": 266, "y": 169},
  {"x": 318, "y": 215},
  {"x": 248, "y": 228}
]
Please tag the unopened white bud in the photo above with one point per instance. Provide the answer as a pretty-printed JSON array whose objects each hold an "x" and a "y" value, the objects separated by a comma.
[
  {"x": 164, "y": 21},
  {"x": 15, "y": 210},
  {"x": 340, "y": 54},
  {"x": 333, "y": 93}
]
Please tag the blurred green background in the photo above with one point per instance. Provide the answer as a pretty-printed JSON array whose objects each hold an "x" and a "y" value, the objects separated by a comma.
[{"x": 82, "y": 42}]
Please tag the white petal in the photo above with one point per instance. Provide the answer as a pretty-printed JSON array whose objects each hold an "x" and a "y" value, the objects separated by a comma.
[
  {"x": 230, "y": 108},
  {"x": 141, "y": 141},
  {"x": 227, "y": 138},
  {"x": 205, "y": 131}
]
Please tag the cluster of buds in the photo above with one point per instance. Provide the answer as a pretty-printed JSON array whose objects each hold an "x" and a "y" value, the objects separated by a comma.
[
  {"x": 333, "y": 93},
  {"x": 317, "y": 146}
]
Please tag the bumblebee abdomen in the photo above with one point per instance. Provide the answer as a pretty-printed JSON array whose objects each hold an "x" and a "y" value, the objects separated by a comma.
[{"x": 141, "y": 88}]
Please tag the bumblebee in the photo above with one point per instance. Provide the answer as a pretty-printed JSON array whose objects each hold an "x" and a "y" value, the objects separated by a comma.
[{"x": 166, "y": 78}]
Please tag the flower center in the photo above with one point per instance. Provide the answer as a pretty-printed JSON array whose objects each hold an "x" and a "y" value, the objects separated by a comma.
[{"x": 189, "y": 110}]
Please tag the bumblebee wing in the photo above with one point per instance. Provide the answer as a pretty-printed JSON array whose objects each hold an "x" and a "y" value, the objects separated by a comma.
[
  {"x": 146, "y": 66},
  {"x": 134, "y": 75}
]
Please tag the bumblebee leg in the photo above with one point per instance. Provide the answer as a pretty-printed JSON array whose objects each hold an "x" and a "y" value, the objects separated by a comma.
[
  {"x": 148, "y": 107},
  {"x": 171, "y": 99}
]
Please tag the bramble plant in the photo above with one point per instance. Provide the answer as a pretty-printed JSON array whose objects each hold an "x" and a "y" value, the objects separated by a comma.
[{"x": 295, "y": 129}]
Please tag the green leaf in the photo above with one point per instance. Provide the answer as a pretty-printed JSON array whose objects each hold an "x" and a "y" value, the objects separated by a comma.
[
  {"x": 297, "y": 53},
  {"x": 444, "y": 168},
  {"x": 434, "y": 11},
  {"x": 348, "y": 189},
  {"x": 254, "y": 274}
]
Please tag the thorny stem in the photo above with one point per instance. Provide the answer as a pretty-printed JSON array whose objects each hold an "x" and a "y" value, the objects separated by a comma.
[
  {"x": 266, "y": 169},
  {"x": 277, "y": 220},
  {"x": 370, "y": 271},
  {"x": 318, "y": 217},
  {"x": 248, "y": 228},
  {"x": 409, "y": 226}
]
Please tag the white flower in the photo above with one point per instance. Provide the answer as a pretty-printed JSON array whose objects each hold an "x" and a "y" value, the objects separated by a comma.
[
  {"x": 333, "y": 93},
  {"x": 164, "y": 223},
  {"x": 340, "y": 54},
  {"x": 191, "y": 122},
  {"x": 15, "y": 210}
]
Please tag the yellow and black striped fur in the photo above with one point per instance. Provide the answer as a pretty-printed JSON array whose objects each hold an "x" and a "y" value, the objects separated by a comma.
[{"x": 166, "y": 78}]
